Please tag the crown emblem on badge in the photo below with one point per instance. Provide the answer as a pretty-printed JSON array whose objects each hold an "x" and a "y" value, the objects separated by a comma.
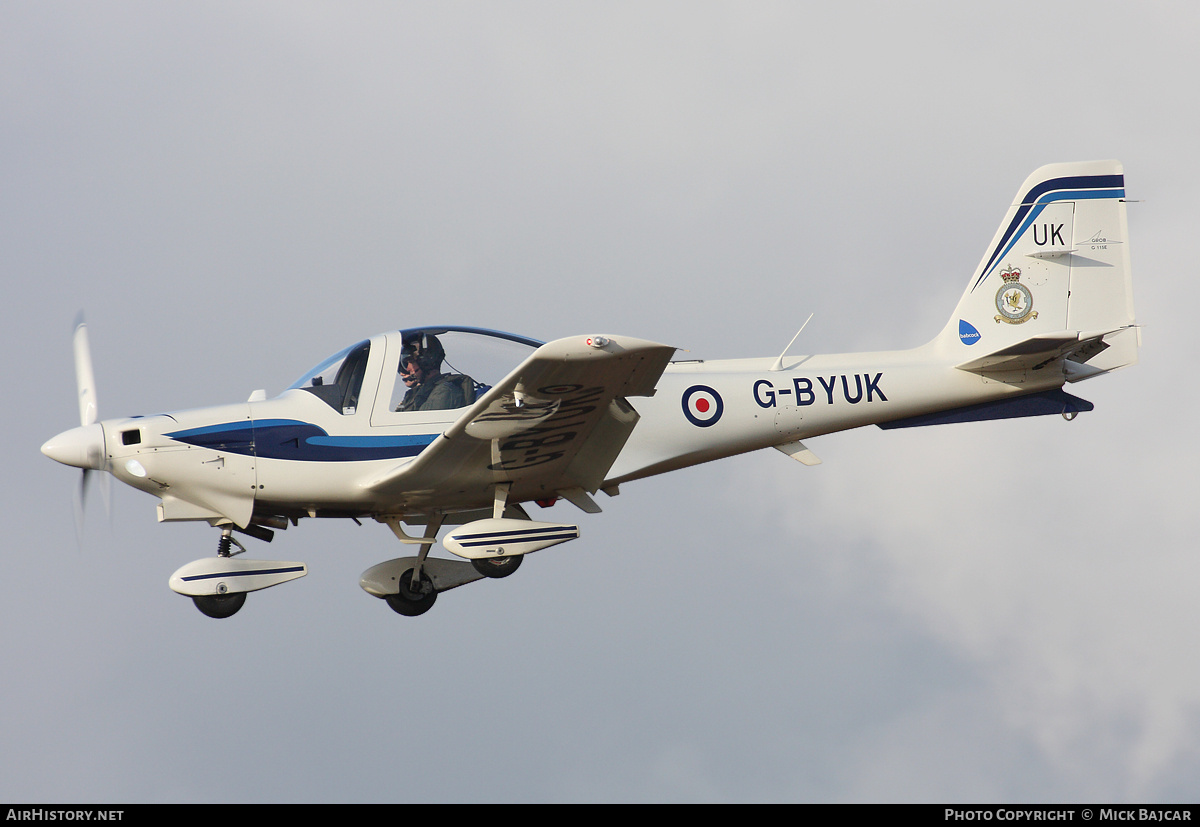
[{"x": 1014, "y": 300}]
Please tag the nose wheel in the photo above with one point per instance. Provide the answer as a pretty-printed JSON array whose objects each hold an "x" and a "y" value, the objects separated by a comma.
[
  {"x": 220, "y": 605},
  {"x": 223, "y": 604},
  {"x": 218, "y": 585}
]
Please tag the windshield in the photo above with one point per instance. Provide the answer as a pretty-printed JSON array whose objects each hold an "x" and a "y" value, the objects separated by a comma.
[{"x": 338, "y": 380}]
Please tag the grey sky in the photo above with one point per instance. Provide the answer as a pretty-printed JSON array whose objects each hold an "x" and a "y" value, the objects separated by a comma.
[{"x": 233, "y": 191}]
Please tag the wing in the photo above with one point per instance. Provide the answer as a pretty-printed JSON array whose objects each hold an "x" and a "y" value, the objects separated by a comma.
[{"x": 552, "y": 427}]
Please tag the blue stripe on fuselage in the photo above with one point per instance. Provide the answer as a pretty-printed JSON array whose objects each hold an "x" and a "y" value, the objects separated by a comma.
[{"x": 291, "y": 439}]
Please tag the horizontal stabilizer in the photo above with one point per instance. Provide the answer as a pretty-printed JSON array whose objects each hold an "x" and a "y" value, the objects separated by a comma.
[
  {"x": 1042, "y": 349},
  {"x": 1037, "y": 404},
  {"x": 1099, "y": 356}
]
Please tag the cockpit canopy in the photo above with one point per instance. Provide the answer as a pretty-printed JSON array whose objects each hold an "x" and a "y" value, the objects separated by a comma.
[
  {"x": 425, "y": 368},
  {"x": 338, "y": 380}
]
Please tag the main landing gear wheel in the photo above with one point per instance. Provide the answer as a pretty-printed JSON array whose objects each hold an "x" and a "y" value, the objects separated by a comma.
[
  {"x": 220, "y": 605},
  {"x": 411, "y": 602},
  {"x": 497, "y": 567}
]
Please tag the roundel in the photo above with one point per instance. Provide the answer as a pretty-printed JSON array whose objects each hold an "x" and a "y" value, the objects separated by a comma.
[
  {"x": 559, "y": 390},
  {"x": 702, "y": 405}
]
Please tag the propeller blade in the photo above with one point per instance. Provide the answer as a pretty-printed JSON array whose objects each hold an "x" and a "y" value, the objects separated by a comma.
[
  {"x": 83, "y": 449},
  {"x": 87, "y": 480},
  {"x": 79, "y": 501},
  {"x": 106, "y": 496},
  {"x": 85, "y": 380}
]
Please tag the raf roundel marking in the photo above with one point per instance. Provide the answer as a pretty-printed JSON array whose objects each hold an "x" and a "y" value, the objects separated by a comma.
[
  {"x": 702, "y": 406},
  {"x": 559, "y": 390}
]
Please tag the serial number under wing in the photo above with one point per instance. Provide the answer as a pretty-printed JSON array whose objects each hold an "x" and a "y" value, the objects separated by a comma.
[{"x": 556, "y": 423}]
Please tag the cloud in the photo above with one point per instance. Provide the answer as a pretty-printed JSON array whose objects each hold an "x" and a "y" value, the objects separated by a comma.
[{"x": 977, "y": 612}]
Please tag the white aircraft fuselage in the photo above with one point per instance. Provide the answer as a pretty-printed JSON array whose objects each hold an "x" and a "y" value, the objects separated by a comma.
[{"x": 518, "y": 420}]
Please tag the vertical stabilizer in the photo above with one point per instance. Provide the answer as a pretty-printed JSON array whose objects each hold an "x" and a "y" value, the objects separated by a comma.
[{"x": 1059, "y": 262}]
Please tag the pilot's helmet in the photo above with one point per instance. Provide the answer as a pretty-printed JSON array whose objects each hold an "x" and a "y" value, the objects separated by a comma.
[{"x": 426, "y": 350}]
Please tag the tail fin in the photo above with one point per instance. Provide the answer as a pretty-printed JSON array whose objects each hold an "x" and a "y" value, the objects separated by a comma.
[{"x": 1055, "y": 281}]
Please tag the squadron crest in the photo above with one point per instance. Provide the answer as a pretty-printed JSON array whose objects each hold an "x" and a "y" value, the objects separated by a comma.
[{"x": 1013, "y": 299}]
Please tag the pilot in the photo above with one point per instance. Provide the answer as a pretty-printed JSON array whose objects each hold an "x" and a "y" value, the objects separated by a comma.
[
  {"x": 408, "y": 375},
  {"x": 428, "y": 388}
]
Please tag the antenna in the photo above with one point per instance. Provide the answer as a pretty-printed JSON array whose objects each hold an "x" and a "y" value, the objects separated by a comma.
[{"x": 779, "y": 362}]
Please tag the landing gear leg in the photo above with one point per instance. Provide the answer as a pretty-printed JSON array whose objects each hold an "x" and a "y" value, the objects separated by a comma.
[
  {"x": 497, "y": 567},
  {"x": 417, "y": 594},
  {"x": 225, "y": 604},
  {"x": 227, "y": 540}
]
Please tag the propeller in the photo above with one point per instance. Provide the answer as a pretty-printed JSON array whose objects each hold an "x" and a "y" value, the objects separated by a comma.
[
  {"x": 82, "y": 447},
  {"x": 85, "y": 379}
]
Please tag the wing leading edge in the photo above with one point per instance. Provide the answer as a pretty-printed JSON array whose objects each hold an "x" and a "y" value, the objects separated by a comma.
[{"x": 552, "y": 427}]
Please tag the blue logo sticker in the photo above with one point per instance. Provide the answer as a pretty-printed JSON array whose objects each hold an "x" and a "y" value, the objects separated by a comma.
[
  {"x": 967, "y": 332},
  {"x": 702, "y": 406}
]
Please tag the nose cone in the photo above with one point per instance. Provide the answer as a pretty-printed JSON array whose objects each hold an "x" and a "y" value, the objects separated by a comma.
[{"x": 81, "y": 447}]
